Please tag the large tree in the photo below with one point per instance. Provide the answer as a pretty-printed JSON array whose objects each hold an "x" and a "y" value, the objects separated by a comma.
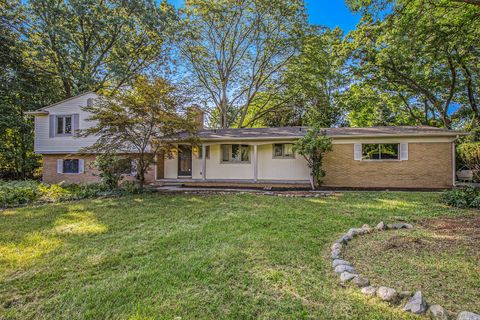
[
  {"x": 140, "y": 122},
  {"x": 424, "y": 54},
  {"x": 22, "y": 88},
  {"x": 89, "y": 45},
  {"x": 314, "y": 80},
  {"x": 237, "y": 49}
]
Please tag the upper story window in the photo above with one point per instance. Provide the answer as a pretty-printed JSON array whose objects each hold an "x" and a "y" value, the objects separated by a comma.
[
  {"x": 380, "y": 151},
  {"x": 283, "y": 151},
  {"x": 64, "y": 125},
  {"x": 235, "y": 153}
]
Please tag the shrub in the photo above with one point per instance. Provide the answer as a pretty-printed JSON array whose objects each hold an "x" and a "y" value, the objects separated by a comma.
[
  {"x": 15, "y": 193},
  {"x": 463, "y": 197}
]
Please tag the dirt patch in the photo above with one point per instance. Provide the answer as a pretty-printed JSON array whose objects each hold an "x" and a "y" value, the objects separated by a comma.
[
  {"x": 467, "y": 228},
  {"x": 401, "y": 243}
]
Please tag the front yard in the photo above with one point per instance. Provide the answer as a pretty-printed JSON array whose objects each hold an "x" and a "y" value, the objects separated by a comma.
[{"x": 212, "y": 257}]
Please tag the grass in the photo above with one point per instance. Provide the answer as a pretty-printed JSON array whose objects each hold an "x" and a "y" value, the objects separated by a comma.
[
  {"x": 189, "y": 257},
  {"x": 440, "y": 257}
]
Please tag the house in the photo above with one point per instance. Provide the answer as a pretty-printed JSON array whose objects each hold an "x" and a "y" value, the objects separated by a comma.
[{"x": 378, "y": 157}]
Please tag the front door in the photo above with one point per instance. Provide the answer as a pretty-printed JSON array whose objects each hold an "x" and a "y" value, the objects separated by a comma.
[{"x": 184, "y": 161}]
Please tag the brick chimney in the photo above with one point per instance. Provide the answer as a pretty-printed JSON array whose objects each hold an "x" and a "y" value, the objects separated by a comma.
[{"x": 198, "y": 115}]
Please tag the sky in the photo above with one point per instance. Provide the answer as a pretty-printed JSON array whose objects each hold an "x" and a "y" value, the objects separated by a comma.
[{"x": 330, "y": 13}]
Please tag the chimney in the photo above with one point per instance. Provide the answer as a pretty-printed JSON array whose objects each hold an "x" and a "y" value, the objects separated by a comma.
[{"x": 198, "y": 115}]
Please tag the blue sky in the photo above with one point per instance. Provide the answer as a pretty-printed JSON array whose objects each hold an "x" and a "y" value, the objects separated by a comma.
[{"x": 331, "y": 13}]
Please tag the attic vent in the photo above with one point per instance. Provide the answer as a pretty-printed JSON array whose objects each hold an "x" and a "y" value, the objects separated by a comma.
[{"x": 89, "y": 102}]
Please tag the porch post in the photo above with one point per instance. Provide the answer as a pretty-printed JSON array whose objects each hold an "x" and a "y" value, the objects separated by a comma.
[
  {"x": 255, "y": 165},
  {"x": 204, "y": 162}
]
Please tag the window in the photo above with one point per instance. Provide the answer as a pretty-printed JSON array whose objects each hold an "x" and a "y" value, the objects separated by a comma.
[
  {"x": 381, "y": 151},
  {"x": 124, "y": 166},
  {"x": 64, "y": 124},
  {"x": 71, "y": 166},
  {"x": 283, "y": 151},
  {"x": 207, "y": 151},
  {"x": 235, "y": 153}
]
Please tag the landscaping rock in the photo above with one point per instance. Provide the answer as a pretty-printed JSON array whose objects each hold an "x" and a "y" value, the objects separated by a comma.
[
  {"x": 387, "y": 294},
  {"x": 336, "y": 246},
  {"x": 339, "y": 262},
  {"x": 416, "y": 304},
  {"x": 345, "y": 268},
  {"x": 341, "y": 241},
  {"x": 347, "y": 238},
  {"x": 355, "y": 232},
  {"x": 401, "y": 225},
  {"x": 381, "y": 226},
  {"x": 437, "y": 312},
  {"x": 465, "y": 315},
  {"x": 335, "y": 254},
  {"x": 369, "y": 291},
  {"x": 366, "y": 228},
  {"x": 361, "y": 282},
  {"x": 346, "y": 276}
]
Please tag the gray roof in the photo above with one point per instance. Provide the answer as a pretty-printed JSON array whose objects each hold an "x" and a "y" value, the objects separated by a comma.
[{"x": 298, "y": 132}]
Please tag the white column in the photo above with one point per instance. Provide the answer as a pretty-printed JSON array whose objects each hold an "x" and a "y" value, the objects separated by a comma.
[
  {"x": 204, "y": 162},
  {"x": 255, "y": 165}
]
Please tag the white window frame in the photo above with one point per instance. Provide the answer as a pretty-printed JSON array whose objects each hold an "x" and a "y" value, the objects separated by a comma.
[
  {"x": 283, "y": 156},
  {"x": 402, "y": 152},
  {"x": 230, "y": 158},
  {"x": 64, "y": 116}
]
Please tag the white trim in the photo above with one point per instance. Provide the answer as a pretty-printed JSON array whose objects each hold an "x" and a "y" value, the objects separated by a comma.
[
  {"x": 204, "y": 162},
  {"x": 454, "y": 164},
  {"x": 255, "y": 163}
]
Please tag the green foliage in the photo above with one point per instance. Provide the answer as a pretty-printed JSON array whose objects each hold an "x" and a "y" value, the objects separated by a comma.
[
  {"x": 15, "y": 193},
  {"x": 237, "y": 51},
  {"x": 469, "y": 156},
  {"x": 312, "y": 147},
  {"x": 463, "y": 197},
  {"x": 111, "y": 168},
  {"x": 413, "y": 51},
  {"x": 146, "y": 119}
]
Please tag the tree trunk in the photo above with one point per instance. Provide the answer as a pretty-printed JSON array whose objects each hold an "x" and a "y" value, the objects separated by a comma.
[{"x": 312, "y": 182}]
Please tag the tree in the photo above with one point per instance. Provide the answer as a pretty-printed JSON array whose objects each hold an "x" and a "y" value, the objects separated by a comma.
[
  {"x": 313, "y": 81},
  {"x": 237, "y": 50},
  {"x": 423, "y": 53},
  {"x": 140, "y": 122},
  {"x": 22, "y": 88},
  {"x": 111, "y": 168},
  {"x": 312, "y": 147},
  {"x": 90, "y": 45}
]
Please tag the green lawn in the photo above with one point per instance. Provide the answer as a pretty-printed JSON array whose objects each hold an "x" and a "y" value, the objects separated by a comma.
[{"x": 213, "y": 257}]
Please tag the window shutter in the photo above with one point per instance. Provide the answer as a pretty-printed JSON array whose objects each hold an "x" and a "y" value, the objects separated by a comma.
[
  {"x": 81, "y": 166},
  {"x": 134, "y": 168},
  {"x": 403, "y": 151},
  {"x": 357, "y": 151},
  {"x": 76, "y": 124},
  {"x": 51, "y": 126},
  {"x": 59, "y": 166}
]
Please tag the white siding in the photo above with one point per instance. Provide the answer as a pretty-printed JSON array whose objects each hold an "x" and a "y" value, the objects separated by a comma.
[{"x": 63, "y": 144}]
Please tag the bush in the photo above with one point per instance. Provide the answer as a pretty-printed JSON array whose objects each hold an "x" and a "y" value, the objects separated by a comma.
[
  {"x": 15, "y": 193},
  {"x": 464, "y": 197}
]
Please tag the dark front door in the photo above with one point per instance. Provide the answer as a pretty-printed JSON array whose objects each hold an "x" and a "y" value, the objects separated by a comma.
[{"x": 184, "y": 161}]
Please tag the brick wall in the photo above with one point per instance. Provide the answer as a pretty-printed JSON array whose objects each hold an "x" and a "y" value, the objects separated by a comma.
[
  {"x": 50, "y": 174},
  {"x": 429, "y": 165}
]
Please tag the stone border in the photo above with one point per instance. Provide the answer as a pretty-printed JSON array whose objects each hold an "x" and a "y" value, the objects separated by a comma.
[{"x": 416, "y": 303}]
